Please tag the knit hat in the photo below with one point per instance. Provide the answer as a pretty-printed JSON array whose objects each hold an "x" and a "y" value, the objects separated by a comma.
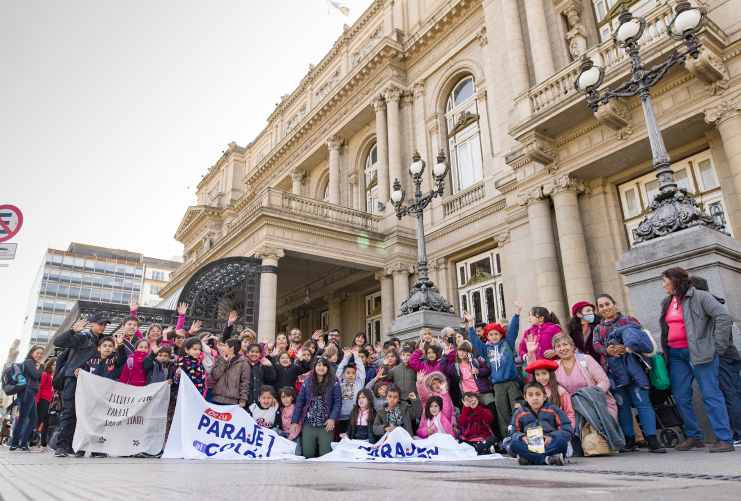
[
  {"x": 543, "y": 363},
  {"x": 494, "y": 327},
  {"x": 578, "y": 306}
]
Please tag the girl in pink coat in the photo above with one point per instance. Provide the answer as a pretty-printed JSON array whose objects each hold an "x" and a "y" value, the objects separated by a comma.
[{"x": 543, "y": 326}]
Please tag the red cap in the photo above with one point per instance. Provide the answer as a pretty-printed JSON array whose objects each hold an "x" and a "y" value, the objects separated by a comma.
[
  {"x": 578, "y": 306},
  {"x": 494, "y": 327},
  {"x": 543, "y": 363}
]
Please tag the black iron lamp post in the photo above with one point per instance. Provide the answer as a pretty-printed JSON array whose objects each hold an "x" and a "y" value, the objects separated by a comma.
[
  {"x": 424, "y": 295},
  {"x": 673, "y": 209}
]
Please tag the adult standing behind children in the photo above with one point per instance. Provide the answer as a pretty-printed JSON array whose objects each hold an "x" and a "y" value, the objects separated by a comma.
[
  {"x": 83, "y": 346},
  {"x": 581, "y": 327}
]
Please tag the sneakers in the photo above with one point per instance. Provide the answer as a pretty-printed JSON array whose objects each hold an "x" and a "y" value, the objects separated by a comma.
[
  {"x": 654, "y": 445},
  {"x": 689, "y": 443},
  {"x": 722, "y": 446},
  {"x": 80, "y": 454},
  {"x": 522, "y": 461},
  {"x": 555, "y": 460},
  {"x": 15, "y": 449},
  {"x": 23, "y": 448},
  {"x": 46, "y": 448},
  {"x": 630, "y": 444},
  {"x": 61, "y": 452},
  {"x": 98, "y": 455},
  {"x": 35, "y": 448}
]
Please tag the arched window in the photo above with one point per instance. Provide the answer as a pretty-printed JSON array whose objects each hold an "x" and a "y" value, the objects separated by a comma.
[
  {"x": 371, "y": 181},
  {"x": 464, "y": 138},
  {"x": 326, "y": 192}
]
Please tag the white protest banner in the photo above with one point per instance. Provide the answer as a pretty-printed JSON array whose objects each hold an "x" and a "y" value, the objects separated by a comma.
[
  {"x": 397, "y": 445},
  {"x": 201, "y": 430},
  {"x": 119, "y": 419}
]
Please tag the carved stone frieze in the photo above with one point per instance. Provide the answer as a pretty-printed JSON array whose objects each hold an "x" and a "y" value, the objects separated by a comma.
[
  {"x": 725, "y": 110},
  {"x": 294, "y": 121},
  {"x": 502, "y": 238},
  {"x": 357, "y": 55},
  {"x": 327, "y": 86},
  {"x": 710, "y": 70},
  {"x": 617, "y": 117}
]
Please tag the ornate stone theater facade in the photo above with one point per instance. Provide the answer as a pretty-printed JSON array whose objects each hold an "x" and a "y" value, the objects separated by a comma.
[{"x": 542, "y": 194}]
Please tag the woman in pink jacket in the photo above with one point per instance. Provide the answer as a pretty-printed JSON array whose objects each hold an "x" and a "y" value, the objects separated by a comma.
[{"x": 544, "y": 325}]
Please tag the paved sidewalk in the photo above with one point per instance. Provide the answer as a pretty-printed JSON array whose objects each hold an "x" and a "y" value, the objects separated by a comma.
[{"x": 40, "y": 477}]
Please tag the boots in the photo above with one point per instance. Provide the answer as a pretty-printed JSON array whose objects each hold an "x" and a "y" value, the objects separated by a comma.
[
  {"x": 689, "y": 443},
  {"x": 654, "y": 445},
  {"x": 630, "y": 444}
]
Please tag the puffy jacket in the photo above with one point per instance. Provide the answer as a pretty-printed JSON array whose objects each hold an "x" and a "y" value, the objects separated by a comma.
[
  {"x": 46, "y": 391},
  {"x": 232, "y": 380},
  {"x": 419, "y": 363},
  {"x": 550, "y": 418},
  {"x": 602, "y": 331},
  {"x": 453, "y": 370},
  {"x": 544, "y": 334},
  {"x": 446, "y": 419},
  {"x": 332, "y": 399},
  {"x": 475, "y": 422},
  {"x": 629, "y": 366},
  {"x": 408, "y": 413},
  {"x": 260, "y": 375},
  {"x": 287, "y": 376},
  {"x": 708, "y": 326},
  {"x": 156, "y": 371},
  {"x": 83, "y": 346},
  {"x": 499, "y": 357},
  {"x": 405, "y": 378},
  {"x": 133, "y": 372}
]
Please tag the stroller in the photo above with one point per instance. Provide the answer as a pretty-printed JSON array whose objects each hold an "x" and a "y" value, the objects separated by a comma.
[{"x": 669, "y": 423}]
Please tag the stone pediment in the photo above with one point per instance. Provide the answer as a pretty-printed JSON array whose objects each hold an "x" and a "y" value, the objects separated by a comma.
[
  {"x": 194, "y": 218},
  {"x": 479, "y": 278}
]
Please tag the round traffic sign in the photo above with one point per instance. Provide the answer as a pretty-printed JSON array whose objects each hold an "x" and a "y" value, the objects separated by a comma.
[{"x": 11, "y": 221}]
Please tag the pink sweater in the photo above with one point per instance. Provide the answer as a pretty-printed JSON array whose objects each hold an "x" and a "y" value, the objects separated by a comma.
[
  {"x": 594, "y": 376},
  {"x": 446, "y": 418},
  {"x": 544, "y": 334},
  {"x": 566, "y": 406}
]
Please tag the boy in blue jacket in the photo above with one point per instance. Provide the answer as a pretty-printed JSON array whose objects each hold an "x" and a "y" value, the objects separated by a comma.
[
  {"x": 500, "y": 357},
  {"x": 537, "y": 412}
]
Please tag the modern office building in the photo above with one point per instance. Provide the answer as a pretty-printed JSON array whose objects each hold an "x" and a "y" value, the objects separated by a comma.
[
  {"x": 82, "y": 272},
  {"x": 156, "y": 276}
]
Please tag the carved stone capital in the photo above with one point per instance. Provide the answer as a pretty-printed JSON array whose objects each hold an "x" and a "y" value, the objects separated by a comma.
[
  {"x": 537, "y": 148},
  {"x": 400, "y": 268},
  {"x": 530, "y": 197},
  {"x": 380, "y": 275},
  {"x": 352, "y": 177},
  {"x": 334, "y": 296},
  {"x": 293, "y": 313},
  {"x": 378, "y": 103},
  {"x": 267, "y": 252},
  {"x": 481, "y": 95},
  {"x": 710, "y": 70},
  {"x": 334, "y": 143},
  {"x": 502, "y": 238},
  {"x": 616, "y": 116},
  {"x": 435, "y": 264},
  {"x": 563, "y": 183},
  {"x": 419, "y": 89},
  {"x": 728, "y": 109},
  {"x": 393, "y": 93},
  {"x": 481, "y": 37},
  {"x": 298, "y": 175}
]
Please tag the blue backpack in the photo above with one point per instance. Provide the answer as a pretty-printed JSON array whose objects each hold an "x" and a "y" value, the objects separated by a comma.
[{"x": 14, "y": 380}]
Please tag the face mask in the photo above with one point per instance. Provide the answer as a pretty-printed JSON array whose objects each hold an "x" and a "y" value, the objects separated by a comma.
[{"x": 589, "y": 318}]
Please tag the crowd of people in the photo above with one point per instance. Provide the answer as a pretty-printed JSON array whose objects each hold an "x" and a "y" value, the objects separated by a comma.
[{"x": 536, "y": 400}]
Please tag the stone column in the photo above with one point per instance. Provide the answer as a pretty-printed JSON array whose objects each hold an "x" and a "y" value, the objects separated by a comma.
[
  {"x": 545, "y": 256},
  {"x": 726, "y": 116},
  {"x": 298, "y": 176},
  {"x": 268, "y": 290},
  {"x": 393, "y": 97},
  {"x": 540, "y": 45},
  {"x": 334, "y": 299},
  {"x": 334, "y": 143},
  {"x": 384, "y": 187},
  {"x": 577, "y": 274},
  {"x": 507, "y": 13},
  {"x": 400, "y": 273},
  {"x": 387, "y": 301}
]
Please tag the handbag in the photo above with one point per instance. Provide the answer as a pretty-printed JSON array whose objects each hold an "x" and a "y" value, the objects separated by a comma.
[{"x": 658, "y": 375}]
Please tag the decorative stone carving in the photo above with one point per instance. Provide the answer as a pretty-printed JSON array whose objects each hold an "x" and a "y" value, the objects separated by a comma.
[
  {"x": 432, "y": 123},
  {"x": 563, "y": 183},
  {"x": 481, "y": 95},
  {"x": 481, "y": 37},
  {"x": 334, "y": 143},
  {"x": 267, "y": 252},
  {"x": 419, "y": 89},
  {"x": 616, "y": 116},
  {"x": 398, "y": 268},
  {"x": 725, "y": 110},
  {"x": 502, "y": 238},
  {"x": 378, "y": 103},
  {"x": 298, "y": 175},
  {"x": 435, "y": 264},
  {"x": 577, "y": 35},
  {"x": 533, "y": 196},
  {"x": 294, "y": 120},
  {"x": 213, "y": 195},
  {"x": 293, "y": 313},
  {"x": 710, "y": 70},
  {"x": 393, "y": 93},
  {"x": 357, "y": 55},
  {"x": 539, "y": 149},
  {"x": 327, "y": 86},
  {"x": 380, "y": 275}
]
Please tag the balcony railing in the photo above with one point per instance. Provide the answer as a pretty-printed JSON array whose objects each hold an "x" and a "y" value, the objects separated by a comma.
[
  {"x": 463, "y": 199},
  {"x": 606, "y": 54}
]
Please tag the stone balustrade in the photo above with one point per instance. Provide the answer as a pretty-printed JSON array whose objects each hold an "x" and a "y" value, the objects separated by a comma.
[
  {"x": 323, "y": 210},
  {"x": 464, "y": 198}
]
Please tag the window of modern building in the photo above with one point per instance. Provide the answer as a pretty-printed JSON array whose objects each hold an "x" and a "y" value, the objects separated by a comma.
[
  {"x": 479, "y": 291},
  {"x": 77, "y": 278},
  {"x": 154, "y": 289},
  {"x": 63, "y": 290},
  {"x": 57, "y": 260},
  {"x": 68, "y": 262},
  {"x": 98, "y": 280},
  {"x": 95, "y": 295},
  {"x": 105, "y": 296},
  {"x": 138, "y": 272},
  {"x": 464, "y": 138},
  {"x": 121, "y": 269},
  {"x": 90, "y": 264},
  {"x": 49, "y": 289},
  {"x": 129, "y": 271},
  {"x": 696, "y": 174},
  {"x": 65, "y": 276},
  {"x": 128, "y": 284},
  {"x": 110, "y": 268},
  {"x": 84, "y": 293},
  {"x": 100, "y": 266},
  {"x": 107, "y": 281},
  {"x": 87, "y": 279},
  {"x": 118, "y": 283},
  {"x": 79, "y": 263},
  {"x": 371, "y": 181},
  {"x": 158, "y": 275},
  {"x": 74, "y": 292}
]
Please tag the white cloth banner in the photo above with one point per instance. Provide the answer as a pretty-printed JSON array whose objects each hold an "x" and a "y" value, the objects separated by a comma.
[
  {"x": 201, "y": 430},
  {"x": 398, "y": 446},
  {"x": 119, "y": 419}
]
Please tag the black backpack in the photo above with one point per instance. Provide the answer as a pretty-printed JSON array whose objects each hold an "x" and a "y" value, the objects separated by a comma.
[
  {"x": 57, "y": 381},
  {"x": 14, "y": 379}
]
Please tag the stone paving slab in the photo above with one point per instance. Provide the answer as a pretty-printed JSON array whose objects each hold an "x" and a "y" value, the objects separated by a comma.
[{"x": 41, "y": 477}]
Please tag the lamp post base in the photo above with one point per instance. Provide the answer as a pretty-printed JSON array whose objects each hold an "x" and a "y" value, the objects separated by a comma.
[
  {"x": 408, "y": 326},
  {"x": 673, "y": 210},
  {"x": 425, "y": 296}
]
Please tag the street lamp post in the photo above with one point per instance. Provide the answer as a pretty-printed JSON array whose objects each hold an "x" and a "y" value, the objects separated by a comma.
[
  {"x": 673, "y": 209},
  {"x": 424, "y": 295}
]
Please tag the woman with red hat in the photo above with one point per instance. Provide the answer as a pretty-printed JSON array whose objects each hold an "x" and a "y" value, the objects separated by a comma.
[{"x": 583, "y": 321}]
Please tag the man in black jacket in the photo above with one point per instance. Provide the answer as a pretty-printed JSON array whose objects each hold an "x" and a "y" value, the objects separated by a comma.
[{"x": 83, "y": 346}]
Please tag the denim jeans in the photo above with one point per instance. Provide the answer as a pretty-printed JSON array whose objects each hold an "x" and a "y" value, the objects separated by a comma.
[
  {"x": 730, "y": 385},
  {"x": 682, "y": 374},
  {"x": 557, "y": 446},
  {"x": 624, "y": 395},
  {"x": 26, "y": 422}
]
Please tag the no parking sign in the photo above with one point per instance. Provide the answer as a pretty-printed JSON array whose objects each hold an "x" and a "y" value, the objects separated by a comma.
[{"x": 11, "y": 221}]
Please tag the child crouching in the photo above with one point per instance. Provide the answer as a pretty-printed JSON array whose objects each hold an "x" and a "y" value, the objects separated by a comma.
[{"x": 475, "y": 424}]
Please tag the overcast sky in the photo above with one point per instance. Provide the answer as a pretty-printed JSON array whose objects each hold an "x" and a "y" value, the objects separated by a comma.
[{"x": 111, "y": 112}]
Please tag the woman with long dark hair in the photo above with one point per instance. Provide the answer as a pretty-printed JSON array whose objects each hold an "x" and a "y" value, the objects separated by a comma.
[
  {"x": 26, "y": 423},
  {"x": 584, "y": 319},
  {"x": 318, "y": 409},
  {"x": 43, "y": 400},
  {"x": 695, "y": 330}
]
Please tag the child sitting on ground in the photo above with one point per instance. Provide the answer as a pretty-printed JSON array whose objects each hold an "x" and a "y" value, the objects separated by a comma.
[
  {"x": 363, "y": 414},
  {"x": 544, "y": 372},
  {"x": 551, "y": 429},
  {"x": 266, "y": 411},
  {"x": 396, "y": 413},
  {"x": 438, "y": 415},
  {"x": 475, "y": 424}
]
